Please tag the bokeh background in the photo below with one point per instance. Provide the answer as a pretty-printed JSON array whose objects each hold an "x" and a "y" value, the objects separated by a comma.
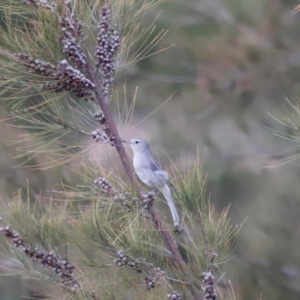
[{"x": 234, "y": 64}]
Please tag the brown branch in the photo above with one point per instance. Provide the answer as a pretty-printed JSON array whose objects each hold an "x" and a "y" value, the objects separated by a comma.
[
  {"x": 174, "y": 250},
  {"x": 103, "y": 103}
]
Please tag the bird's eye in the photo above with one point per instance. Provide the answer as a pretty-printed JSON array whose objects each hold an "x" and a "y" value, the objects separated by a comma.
[{"x": 136, "y": 142}]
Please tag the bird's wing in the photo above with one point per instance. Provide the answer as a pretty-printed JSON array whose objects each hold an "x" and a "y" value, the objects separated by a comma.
[
  {"x": 157, "y": 168},
  {"x": 155, "y": 165},
  {"x": 162, "y": 177}
]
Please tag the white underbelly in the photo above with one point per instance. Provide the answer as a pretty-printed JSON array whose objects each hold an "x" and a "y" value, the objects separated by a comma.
[{"x": 147, "y": 176}]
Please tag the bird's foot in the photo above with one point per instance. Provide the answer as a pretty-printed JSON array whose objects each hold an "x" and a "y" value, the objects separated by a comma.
[
  {"x": 177, "y": 227},
  {"x": 147, "y": 193},
  {"x": 154, "y": 191}
]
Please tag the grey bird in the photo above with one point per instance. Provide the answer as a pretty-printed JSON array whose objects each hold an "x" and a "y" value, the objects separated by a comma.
[{"x": 150, "y": 172}]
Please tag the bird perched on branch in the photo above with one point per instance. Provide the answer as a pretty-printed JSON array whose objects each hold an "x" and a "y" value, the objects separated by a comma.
[{"x": 150, "y": 172}]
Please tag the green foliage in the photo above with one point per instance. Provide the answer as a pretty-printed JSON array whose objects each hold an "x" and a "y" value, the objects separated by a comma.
[
  {"x": 31, "y": 32},
  {"x": 100, "y": 226},
  {"x": 90, "y": 233},
  {"x": 57, "y": 122},
  {"x": 209, "y": 231},
  {"x": 57, "y": 129}
]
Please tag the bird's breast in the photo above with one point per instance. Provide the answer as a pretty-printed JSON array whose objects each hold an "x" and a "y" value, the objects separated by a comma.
[{"x": 143, "y": 170}]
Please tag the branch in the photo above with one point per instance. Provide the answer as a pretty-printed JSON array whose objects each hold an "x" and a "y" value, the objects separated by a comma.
[
  {"x": 102, "y": 97},
  {"x": 174, "y": 250},
  {"x": 103, "y": 103},
  {"x": 103, "y": 100}
]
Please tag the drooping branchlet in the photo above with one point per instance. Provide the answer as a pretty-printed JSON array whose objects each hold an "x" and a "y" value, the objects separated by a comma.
[
  {"x": 71, "y": 30},
  {"x": 208, "y": 278},
  {"x": 39, "y": 66},
  {"x": 47, "y": 259},
  {"x": 154, "y": 274},
  {"x": 108, "y": 43},
  {"x": 64, "y": 76},
  {"x": 105, "y": 186},
  {"x": 208, "y": 289},
  {"x": 70, "y": 79},
  {"x": 124, "y": 198},
  {"x": 122, "y": 260},
  {"x": 12, "y": 235}
]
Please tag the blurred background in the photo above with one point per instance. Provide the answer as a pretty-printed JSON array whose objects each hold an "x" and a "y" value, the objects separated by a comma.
[{"x": 233, "y": 64}]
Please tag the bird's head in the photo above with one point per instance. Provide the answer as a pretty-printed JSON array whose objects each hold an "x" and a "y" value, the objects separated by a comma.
[{"x": 137, "y": 145}]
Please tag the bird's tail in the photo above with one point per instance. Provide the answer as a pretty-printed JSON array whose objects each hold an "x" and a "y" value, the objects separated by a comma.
[{"x": 168, "y": 196}]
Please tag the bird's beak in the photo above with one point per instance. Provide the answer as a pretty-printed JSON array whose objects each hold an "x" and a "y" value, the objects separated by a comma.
[{"x": 125, "y": 141}]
